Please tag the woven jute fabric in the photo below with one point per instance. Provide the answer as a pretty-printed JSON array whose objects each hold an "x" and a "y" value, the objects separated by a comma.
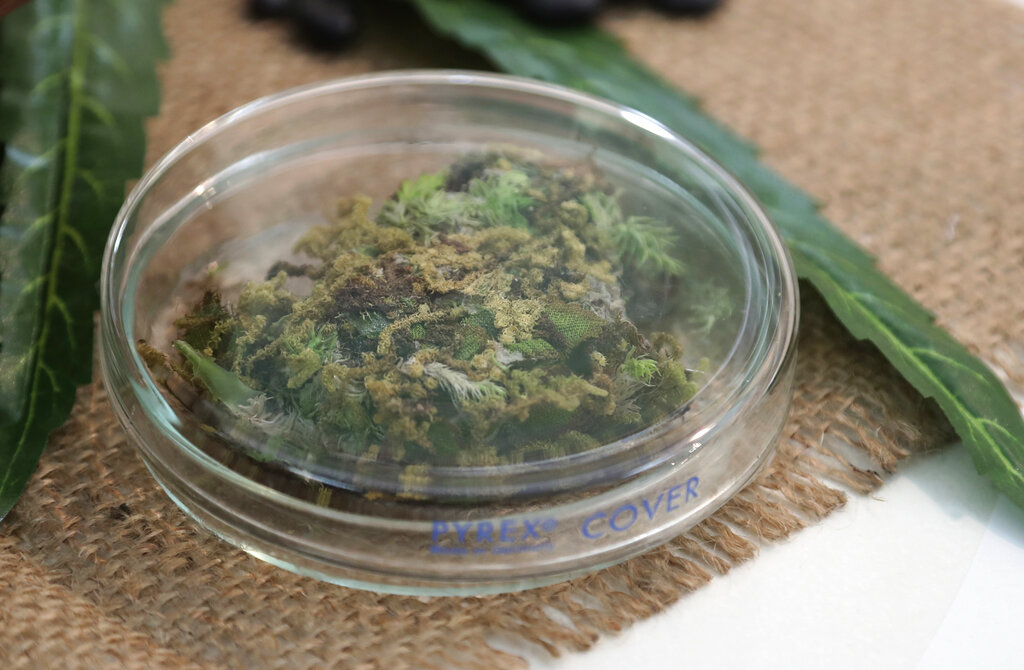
[{"x": 906, "y": 119}]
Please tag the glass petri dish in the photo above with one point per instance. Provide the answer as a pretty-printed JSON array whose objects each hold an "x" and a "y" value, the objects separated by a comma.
[{"x": 458, "y": 474}]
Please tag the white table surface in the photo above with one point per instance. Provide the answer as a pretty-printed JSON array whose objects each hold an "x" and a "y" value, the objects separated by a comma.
[{"x": 928, "y": 573}]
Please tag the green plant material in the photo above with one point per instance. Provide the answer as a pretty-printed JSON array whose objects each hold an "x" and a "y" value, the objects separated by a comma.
[
  {"x": 480, "y": 337},
  {"x": 77, "y": 80},
  {"x": 711, "y": 304},
  {"x": 222, "y": 384},
  {"x": 641, "y": 369},
  {"x": 865, "y": 301},
  {"x": 424, "y": 208},
  {"x": 641, "y": 240}
]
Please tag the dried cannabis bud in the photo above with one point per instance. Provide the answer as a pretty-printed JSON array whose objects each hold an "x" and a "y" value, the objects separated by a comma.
[{"x": 479, "y": 319}]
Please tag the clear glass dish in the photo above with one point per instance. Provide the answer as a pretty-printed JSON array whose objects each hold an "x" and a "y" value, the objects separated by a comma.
[{"x": 226, "y": 207}]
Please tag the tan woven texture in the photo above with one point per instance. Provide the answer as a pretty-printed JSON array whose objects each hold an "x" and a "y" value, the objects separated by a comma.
[{"x": 905, "y": 118}]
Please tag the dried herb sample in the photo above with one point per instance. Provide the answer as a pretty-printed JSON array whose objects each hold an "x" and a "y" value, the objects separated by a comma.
[{"x": 479, "y": 318}]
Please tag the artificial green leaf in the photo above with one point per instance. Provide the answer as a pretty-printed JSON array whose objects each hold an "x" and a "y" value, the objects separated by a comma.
[
  {"x": 866, "y": 302},
  {"x": 77, "y": 79}
]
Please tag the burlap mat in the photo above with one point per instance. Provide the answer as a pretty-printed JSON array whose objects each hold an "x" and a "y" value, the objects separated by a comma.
[{"x": 906, "y": 118}]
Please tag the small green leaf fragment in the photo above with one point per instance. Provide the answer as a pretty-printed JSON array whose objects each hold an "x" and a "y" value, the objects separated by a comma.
[
  {"x": 575, "y": 323},
  {"x": 223, "y": 385},
  {"x": 534, "y": 349}
]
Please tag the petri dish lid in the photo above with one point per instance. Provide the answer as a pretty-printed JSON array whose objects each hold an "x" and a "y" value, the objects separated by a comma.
[{"x": 452, "y": 287}]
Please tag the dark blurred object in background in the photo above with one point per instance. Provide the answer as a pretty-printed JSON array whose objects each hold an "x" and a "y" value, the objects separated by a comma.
[
  {"x": 578, "y": 12},
  {"x": 326, "y": 24},
  {"x": 268, "y": 9},
  {"x": 692, "y": 7},
  {"x": 559, "y": 12},
  {"x": 332, "y": 24}
]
